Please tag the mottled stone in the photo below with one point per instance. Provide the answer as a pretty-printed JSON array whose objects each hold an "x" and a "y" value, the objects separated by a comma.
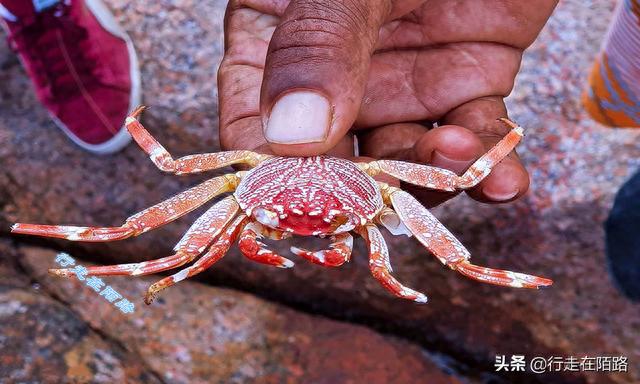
[
  {"x": 200, "y": 334},
  {"x": 44, "y": 341},
  {"x": 556, "y": 231}
]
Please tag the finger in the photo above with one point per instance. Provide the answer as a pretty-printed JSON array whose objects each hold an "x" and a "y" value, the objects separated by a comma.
[
  {"x": 514, "y": 23},
  {"x": 315, "y": 72},
  {"x": 451, "y": 147},
  {"x": 403, "y": 7},
  {"x": 247, "y": 34},
  {"x": 509, "y": 179},
  {"x": 278, "y": 7},
  {"x": 417, "y": 85},
  {"x": 393, "y": 141}
]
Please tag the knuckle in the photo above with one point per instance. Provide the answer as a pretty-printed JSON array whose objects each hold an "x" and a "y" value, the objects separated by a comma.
[
  {"x": 308, "y": 38},
  {"x": 323, "y": 30},
  {"x": 351, "y": 16},
  {"x": 312, "y": 51}
]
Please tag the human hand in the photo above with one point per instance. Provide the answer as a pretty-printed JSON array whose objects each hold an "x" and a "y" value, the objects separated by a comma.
[{"x": 298, "y": 78}]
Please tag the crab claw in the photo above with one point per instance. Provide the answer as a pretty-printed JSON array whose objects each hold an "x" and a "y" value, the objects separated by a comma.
[
  {"x": 257, "y": 250},
  {"x": 339, "y": 253}
]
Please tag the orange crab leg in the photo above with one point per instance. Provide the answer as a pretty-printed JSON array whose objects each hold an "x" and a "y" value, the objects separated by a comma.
[
  {"x": 217, "y": 250},
  {"x": 74, "y": 233},
  {"x": 437, "y": 239},
  {"x": 188, "y": 164},
  {"x": 258, "y": 251},
  {"x": 340, "y": 252},
  {"x": 445, "y": 180},
  {"x": 153, "y": 217},
  {"x": 482, "y": 167},
  {"x": 381, "y": 267},
  {"x": 500, "y": 276},
  {"x": 202, "y": 233}
]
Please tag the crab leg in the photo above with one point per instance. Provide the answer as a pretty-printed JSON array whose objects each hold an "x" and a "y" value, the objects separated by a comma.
[
  {"x": 217, "y": 250},
  {"x": 188, "y": 164},
  {"x": 340, "y": 252},
  {"x": 202, "y": 233},
  {"x": 258, "y": 251},
  {"x": 445, "y": 180},
  {"x": 437, "y": 239},
  {"x": 153, "y": 217},
  {"x": 381, "y": 267}
]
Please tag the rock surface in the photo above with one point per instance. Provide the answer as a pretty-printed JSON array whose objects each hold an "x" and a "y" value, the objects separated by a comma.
[
  {"x": 42, "y": 340},
  {"x": 556, "y": 231},
  {"x": 201, "y": 334}
]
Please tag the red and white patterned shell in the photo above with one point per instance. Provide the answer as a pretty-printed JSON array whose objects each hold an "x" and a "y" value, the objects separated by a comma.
[{"x": 317, "y": 180}]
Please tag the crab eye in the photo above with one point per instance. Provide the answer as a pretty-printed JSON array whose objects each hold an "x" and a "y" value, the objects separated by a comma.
[{"x": 266, "y": 217}]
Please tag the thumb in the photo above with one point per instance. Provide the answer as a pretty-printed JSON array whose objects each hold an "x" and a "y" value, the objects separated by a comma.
[{"x": 315, "y": 72}]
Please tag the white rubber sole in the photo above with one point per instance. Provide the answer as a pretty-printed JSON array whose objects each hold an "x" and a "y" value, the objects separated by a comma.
[
  {"x": 5, "y": 14},
  {"x": 122, "y": 138}
]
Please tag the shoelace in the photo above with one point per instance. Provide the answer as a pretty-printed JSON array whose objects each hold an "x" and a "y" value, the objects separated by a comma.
[{"x": 51, "y": 39}]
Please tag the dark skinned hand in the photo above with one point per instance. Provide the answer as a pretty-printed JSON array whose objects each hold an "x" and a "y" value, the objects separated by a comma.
[{"x": 301, "y": 77}]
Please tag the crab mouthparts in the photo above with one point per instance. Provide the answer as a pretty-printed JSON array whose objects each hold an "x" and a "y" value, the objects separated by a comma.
[
  {"x": 266, "y": 217},
  {"x": 303, "y": 223}
]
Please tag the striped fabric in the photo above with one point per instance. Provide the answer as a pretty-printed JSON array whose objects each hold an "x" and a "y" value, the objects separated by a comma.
[{"x": 613, "y": 95}]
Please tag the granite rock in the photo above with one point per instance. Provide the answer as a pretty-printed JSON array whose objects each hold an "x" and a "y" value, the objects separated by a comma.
[
  {"x": 200, "y": 334},
  {"x": 42, "y": 340}
]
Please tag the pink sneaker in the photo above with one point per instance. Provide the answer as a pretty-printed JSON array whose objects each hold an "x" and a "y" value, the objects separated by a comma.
[{"x": 82, "y": 65}]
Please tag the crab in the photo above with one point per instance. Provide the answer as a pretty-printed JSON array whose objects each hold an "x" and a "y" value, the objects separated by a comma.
[{"x": 306, "y": 196}]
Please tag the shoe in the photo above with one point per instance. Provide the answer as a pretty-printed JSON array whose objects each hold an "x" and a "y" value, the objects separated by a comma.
[{"x": 82, "y": 65}]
